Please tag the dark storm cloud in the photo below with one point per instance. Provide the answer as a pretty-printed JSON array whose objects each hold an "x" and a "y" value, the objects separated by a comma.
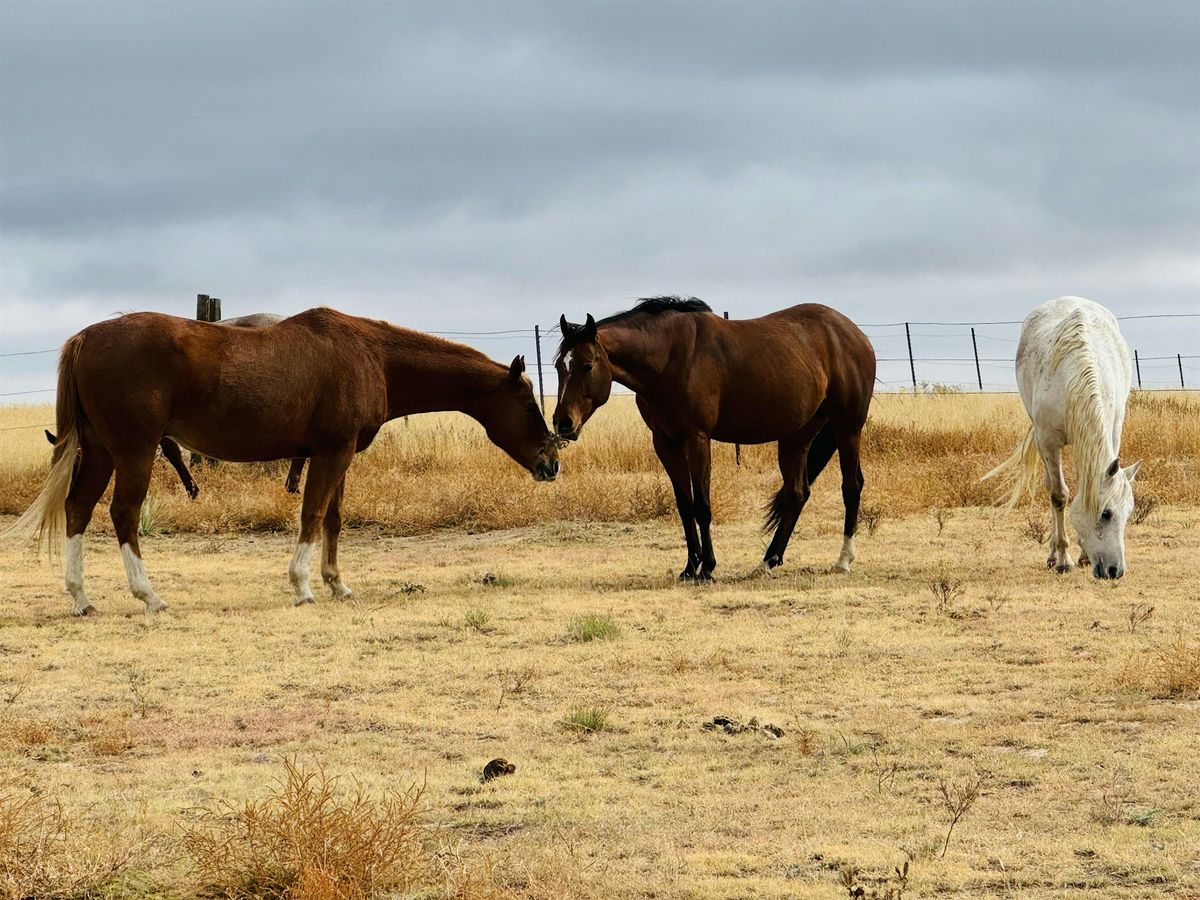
[{"x": 450, "y": 165}]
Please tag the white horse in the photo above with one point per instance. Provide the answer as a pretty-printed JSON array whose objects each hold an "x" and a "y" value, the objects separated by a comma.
[{"x": 1074, "y": 374}]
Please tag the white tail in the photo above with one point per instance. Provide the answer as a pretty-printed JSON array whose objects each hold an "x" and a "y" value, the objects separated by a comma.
[{"x": 1020, "y": 471}]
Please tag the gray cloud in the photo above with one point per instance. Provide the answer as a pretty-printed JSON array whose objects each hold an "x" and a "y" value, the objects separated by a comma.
[{"x": 490, "y": 165}]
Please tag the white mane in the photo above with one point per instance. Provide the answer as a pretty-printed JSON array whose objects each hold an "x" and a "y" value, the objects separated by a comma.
[{"x": 1088, "y": 422}]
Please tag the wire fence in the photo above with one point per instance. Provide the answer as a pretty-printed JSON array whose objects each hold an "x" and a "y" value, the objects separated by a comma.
[{"x": 953, "y": 362}]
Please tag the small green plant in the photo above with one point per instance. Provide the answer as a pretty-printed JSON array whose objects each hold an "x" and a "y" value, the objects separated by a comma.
[
  {"x": 491, "y": 579},
  {"x": 589, "y": 719},
  {"x": 1143, "y": 818},
  {"x": 592, "y": 627},
  {"x": 148, "y": 518},
  {"x": 478, "y": 619}
]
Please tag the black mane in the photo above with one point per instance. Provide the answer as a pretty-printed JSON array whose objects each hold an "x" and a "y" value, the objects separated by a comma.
[{"x": 650, "y": 306}]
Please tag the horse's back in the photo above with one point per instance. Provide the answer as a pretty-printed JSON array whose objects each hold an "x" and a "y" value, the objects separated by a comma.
[{"x": 1060, "y": 339}]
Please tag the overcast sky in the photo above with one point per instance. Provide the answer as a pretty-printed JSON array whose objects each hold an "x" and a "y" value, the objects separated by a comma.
[{"x": 485, "y": 166}]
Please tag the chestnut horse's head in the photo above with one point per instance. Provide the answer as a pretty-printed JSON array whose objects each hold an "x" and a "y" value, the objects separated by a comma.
[
  {"x": 584, "y": 377},
  {"x": 514, "y": 423}
]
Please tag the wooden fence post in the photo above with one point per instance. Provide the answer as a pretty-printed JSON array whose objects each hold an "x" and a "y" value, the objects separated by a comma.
[{"x": 208, "y": 309}]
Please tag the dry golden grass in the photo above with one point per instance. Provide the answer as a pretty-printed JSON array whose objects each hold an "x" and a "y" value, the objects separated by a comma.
[
  {"x": 950, "y": 659},
  {"x": 920, "y": 452}
]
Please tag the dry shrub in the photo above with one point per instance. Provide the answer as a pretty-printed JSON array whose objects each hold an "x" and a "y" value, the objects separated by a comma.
[
  {"x": 308, "y": 839},
  {"x": 1168, "y": 672},
  {"x": 45, "y": 852}
]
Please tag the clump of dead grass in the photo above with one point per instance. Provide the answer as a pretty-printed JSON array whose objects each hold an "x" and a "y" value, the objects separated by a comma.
[
  {"x": 1168, "y": 672},
  {"x": 46, "y": 852},
  {"x": 309, "y": 838}
]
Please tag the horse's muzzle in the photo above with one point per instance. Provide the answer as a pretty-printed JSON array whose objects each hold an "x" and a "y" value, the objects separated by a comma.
[
  {"x": 566, "y": 430},
  {"x": 545, "y": 470},
  {"x": 1100, "y": 570}
]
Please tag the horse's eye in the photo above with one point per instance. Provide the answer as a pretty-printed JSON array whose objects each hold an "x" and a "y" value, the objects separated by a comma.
[
  {"x": 587, "y": 367},
  {"x": 1106, "y": 515}
]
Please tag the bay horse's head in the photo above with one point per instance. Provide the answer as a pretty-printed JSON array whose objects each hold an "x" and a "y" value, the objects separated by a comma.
[
  {"x": 584, "y": 377},
  {"x": 514, "y": 423},
  {"x": 1102, "y": 530}
]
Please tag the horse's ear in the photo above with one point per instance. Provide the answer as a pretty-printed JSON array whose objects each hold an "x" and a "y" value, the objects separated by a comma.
[
  {"x": 566, "y": 327},
  {"x": 588, "y": 329},
  {"x": 1112, "y": 470},
  {"x": 517, "y": 369},
  {"x": 1131, "y": 471},
  {"x": 50, "y": 437}
]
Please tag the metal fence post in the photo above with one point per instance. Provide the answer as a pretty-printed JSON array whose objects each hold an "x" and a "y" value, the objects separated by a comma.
[
  {"x": 537, "y": 340},
  {"x": 911, "y": 366},
  {"x": 1179, "y": 359},
  {"x": 1137, "y": 366},
  {"x": 975, "y": 348}
]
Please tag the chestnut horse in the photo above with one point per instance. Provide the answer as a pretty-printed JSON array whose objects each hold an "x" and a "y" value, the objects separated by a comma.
[
  {"x": 170, "y": 450},
  {"x": 319, "y": 384},
  {"x": 802, "y": 376}
]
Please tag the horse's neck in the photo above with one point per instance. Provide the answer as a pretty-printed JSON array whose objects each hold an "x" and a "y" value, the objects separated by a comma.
[
  {"x": 1090, "y": 429},
  {"x": 637, "y": 355},
  {"x": 430, "y": 375}
]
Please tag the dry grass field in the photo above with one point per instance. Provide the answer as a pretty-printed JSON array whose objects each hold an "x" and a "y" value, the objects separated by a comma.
[{"x": 949, "y": 720}]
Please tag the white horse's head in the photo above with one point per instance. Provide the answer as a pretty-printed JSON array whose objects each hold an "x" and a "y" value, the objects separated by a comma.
[{"x": 1102, "y": 531}]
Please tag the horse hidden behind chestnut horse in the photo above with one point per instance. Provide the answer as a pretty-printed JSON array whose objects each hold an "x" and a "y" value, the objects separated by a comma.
[
  {"x": 319, "y": 384},
  {"x": 802, "y": 376}
]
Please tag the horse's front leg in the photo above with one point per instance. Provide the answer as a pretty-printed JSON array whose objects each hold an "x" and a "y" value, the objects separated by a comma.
[
  {"x": 699, "y": 463},
  {"x": 672, "y": 454},
  {"x": 325, "y": 474},
  {"x": 1056, "y": 484}
]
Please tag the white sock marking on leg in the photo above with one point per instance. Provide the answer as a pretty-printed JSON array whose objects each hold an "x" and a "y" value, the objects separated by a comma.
[
  {"x": 846, "y": 557},
  {"x": 139, "y": 583},
  {"x": 73, "y": 571},
  {"x": 298, "y": 574}
]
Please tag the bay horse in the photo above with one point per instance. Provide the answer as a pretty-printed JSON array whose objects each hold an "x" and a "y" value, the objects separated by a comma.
[
  {"x": 1074, "y": 374},
  {"x": 319, "y": 384},
  {"x": 802, "y": 376}
]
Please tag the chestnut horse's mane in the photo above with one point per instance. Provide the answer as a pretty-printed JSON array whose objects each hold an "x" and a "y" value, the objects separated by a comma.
[{"x": 650, "y": 306}]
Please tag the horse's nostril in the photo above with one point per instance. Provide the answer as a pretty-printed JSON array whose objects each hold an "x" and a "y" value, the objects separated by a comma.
[
  {"x": 557, "y": 467},
  {"x": 1112, "y": 571}
]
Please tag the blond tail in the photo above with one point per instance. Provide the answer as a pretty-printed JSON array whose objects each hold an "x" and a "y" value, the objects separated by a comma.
[
  {"x": 46, "y": 518},
  {"x": 1019, "y": 472}
]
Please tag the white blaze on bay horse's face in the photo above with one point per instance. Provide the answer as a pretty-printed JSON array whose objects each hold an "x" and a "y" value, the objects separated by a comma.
[
  {"x": 1102, "y": 535},
  {"x": 584, "y": 379}
]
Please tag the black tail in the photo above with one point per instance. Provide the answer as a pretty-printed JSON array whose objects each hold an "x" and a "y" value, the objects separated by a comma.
[{"x": 820, "y": 451}]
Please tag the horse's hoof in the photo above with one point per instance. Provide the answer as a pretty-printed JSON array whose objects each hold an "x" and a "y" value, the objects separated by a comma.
[
  {"x": 1064, "y": 568},
  {"x": 300, "y": 601},
  {"x": 88, "y": 610},
  {"x": 704, "y": 578},
  {"x": 154, "y": 605},
  {"x": 1051, "y": 562},
  {"x": 835, "y": 569},
  {"x": 762, "y": 570}
]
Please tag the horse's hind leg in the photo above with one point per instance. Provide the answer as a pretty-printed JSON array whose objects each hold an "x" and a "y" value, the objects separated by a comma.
[
  {"x": 801, "y": 458},
  {"x": 848, "y": 446},
  {"x": 1056, "y": 484},
  {"x": 174, "y": 456},
  {"x": 329, "y": 546},
  {"x": 133, "y": 480},
  {"x": 91, "y": 478}
]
